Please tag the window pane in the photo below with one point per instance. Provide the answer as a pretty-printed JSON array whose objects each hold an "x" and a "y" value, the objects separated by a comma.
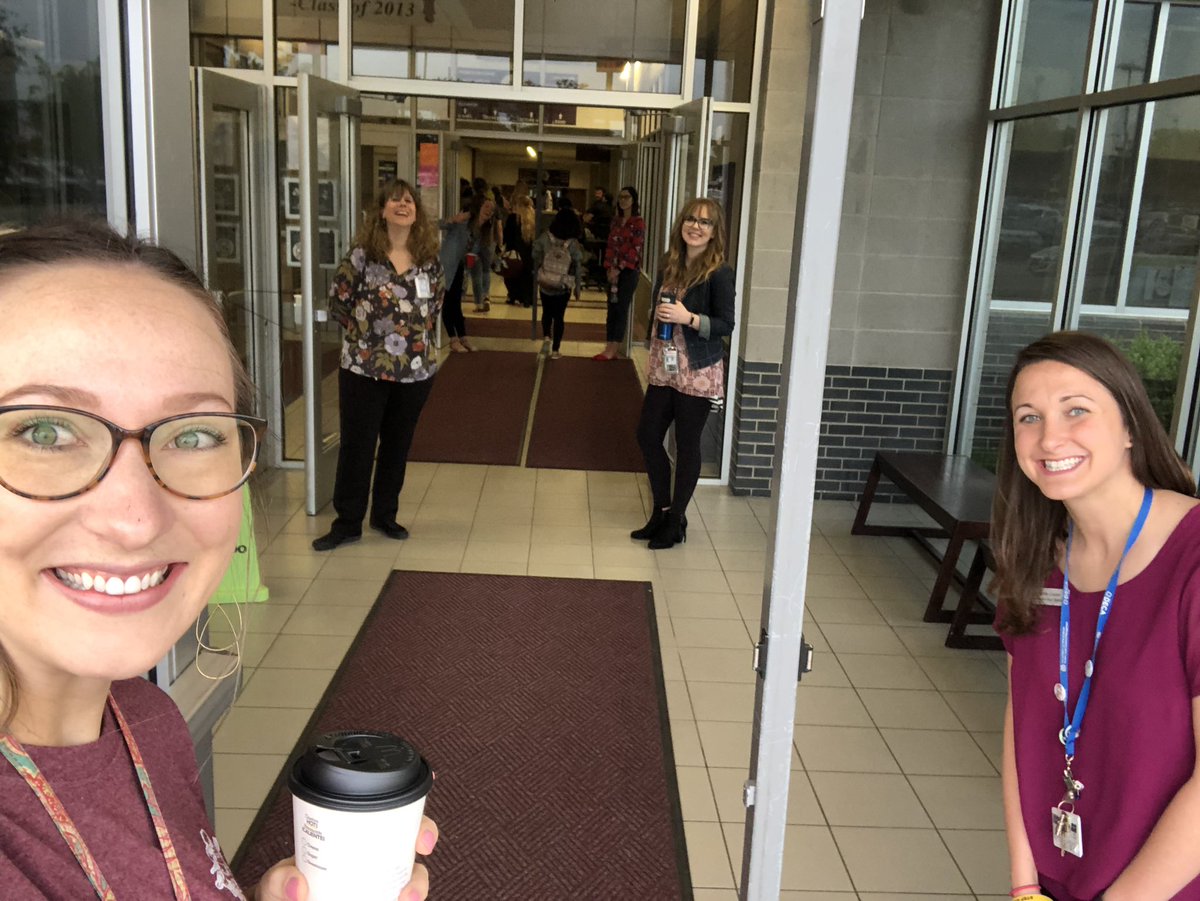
[
  {"x": 1051, "y": 50},
  {"x": 227, "y": 33},
  {"x": 725, "y": 49},
  {"x": 1181, "y": 54},
  {"x": 584, "y": 120},
  {"x": 306, "y": 37},
  {"x": 1148, "y": 176},
  {"x": 1140, "y": 29},
  {"x": 1037, "y": 188},
  {"x": 495, "y": 115},
  {"x": 469, "y": 41},
  {"x": 52, "y": 155},
  {"x": 624, "y": 45},
  {"x": 1138, "y": 292},
  {"x": 1024, "y": 268}
]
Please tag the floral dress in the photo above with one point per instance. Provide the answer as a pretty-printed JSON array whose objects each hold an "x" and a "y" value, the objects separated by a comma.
[
  {"x": 389, "y": 325},
  {"x": 707, "y": 382}
]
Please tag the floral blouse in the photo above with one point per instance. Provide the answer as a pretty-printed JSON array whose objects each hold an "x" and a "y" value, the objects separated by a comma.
[
  {"x": 626, "y": 236},
  {"x": 707, "y": 382},
  {"x": 389, "y": 326}
]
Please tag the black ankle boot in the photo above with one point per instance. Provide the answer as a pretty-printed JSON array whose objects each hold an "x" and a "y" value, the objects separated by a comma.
[
  {"x": 651, "y": 526},
  {"x": 673, "y": 531}
]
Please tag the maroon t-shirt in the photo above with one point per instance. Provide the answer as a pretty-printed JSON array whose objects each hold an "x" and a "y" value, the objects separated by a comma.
[
  {"x": 1136, "y": 746},
  {"x": 98, "y": 787}
]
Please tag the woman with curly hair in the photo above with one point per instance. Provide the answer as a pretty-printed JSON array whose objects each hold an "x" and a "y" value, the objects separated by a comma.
[
  {"x": 694, "y": 309},
  {"x": 386, "y": 294}
]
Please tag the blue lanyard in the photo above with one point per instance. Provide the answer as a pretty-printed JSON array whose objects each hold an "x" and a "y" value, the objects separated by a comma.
[{"x": 1071, "y": 725}]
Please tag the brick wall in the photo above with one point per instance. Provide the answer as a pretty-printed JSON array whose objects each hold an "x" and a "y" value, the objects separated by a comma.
[{"x": 865, "y": 408}]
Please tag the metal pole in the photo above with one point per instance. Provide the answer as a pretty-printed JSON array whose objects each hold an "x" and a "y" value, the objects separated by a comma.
[{"x": 819, "y": 200}]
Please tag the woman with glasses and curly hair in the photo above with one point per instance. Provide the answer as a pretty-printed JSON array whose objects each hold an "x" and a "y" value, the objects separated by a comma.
[
  {"x": 694, "y": 310},
  {"x": 386, "y": 295},
  {"x": 121, "y": 455}
]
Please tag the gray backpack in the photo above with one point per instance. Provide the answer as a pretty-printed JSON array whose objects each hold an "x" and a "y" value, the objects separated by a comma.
[{"x": 554, "y": 275}]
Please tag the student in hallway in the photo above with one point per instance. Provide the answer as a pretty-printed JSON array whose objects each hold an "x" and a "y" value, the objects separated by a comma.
[
  {"x": 559, "y": 265},
  {"x": 622, "y": 262},
  {"x": 519, "y": 231}
]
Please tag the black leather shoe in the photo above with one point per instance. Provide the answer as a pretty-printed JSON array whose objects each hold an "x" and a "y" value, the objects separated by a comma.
[
  {"x": 391, "y": 530},
  {"x": 673, "y": 531},
  {"x": 330, "y": 540}
]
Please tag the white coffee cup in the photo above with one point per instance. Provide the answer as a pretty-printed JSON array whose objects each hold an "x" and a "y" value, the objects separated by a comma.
[{"x": 357, "y": 801}]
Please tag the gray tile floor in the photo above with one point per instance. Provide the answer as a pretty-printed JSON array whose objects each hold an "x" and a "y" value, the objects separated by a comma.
[{"x": 895, "y": 790}]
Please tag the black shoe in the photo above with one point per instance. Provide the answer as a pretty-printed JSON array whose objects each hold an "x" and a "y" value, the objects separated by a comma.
[
  {"x": 391, "y": 530},
  {"x": 673, "y": 531},
  {"x": 651, "y": 526},
  {"x": 330, "y": 540}
]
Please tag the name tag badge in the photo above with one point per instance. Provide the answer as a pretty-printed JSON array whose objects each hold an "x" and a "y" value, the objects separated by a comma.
[
  {"x": 1067, "y": 831},
  {"x": 1050, "y": 597},
  {"x": 423, "y": 290},
  {"x": 671, "y": 358}
]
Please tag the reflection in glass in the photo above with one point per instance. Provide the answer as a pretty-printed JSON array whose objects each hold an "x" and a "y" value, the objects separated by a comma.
[
  {"x": 623, "y": 45},
  {"x": 725, "y": 49},
  {"x": 495, "y": 115},
  {"x": 1037, "y": 189},
  {"x": 1150, "y": 183},
  {"x": 291, "y": 357},
  {"x": 227, "y": 34},
  {"x": 1142, "y": 29},
  {"x": 52, "y": 155},
  {"x": 726, "y": 171},
  {"x": 1181, "y": 53},
  {"x": 306, "y": 38},
  {"x": 1050, "y": 55},
  {"x": 584, "y": 120},
  {"x": 1024, "y": 269},
  {"x": 469, "y": 41}
]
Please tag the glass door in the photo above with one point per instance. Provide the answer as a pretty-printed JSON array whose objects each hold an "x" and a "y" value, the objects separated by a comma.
[
  {"x": 691, "y": 125},
  {"x": 233, "y": 167},
  {"x": 329, "y": 215}
]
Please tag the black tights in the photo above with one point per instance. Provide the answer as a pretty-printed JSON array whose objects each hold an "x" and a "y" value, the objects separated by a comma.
[
  {"x": 661, "y": 407},
  {"x": 452, "y": 315}
]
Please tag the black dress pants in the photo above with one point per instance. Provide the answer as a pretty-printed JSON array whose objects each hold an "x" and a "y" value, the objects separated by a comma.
[
  {"x": 617, "y": 315},
  {"x": 378, "y": 421},
  {"x": 661, "y": 407},
  {"x": 453, "y": 319}
]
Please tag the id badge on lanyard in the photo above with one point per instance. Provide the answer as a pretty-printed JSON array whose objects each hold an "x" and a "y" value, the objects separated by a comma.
[
  {"x": 423, "y": 290},
  {"x": 671, "y": 358}
]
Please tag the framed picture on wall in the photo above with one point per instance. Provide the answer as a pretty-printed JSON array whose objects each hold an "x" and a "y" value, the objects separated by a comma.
[
  {"x": 292, "y": 239},
  {"x": 327, "y": 198},
  {"x": 227, "y": 242},
  {"x": 225, "y": 194},
  {"x": 291, "y": 195}
]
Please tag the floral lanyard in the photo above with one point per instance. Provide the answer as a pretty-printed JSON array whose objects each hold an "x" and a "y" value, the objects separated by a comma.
[{"x": 23, "y": 764}]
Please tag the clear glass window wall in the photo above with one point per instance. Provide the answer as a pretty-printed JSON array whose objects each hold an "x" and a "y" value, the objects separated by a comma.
[{"x": 1090, "y": 212}]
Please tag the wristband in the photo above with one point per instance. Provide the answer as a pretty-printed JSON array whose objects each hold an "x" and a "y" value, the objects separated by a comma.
[
  {"x": 1031, "y": 889},
  {"x": 1033, "y": 897}
]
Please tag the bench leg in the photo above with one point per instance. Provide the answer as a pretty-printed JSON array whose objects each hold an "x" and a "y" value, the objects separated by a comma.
[
  {"x": 864, "y": 506},
  {"x": 937, "y": 597},
  {"x": 966, "y": 601}
]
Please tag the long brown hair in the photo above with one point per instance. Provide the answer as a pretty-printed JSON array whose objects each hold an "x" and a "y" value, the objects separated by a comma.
[
  {"x": 78, "y": 240},
  {"x": 486, "y": 231},
  {"x": 372, "y": 235},
  {"x": 677, "y": 270},
  {"x": 523, "y": 210},
  {"x": 1027, "y": 527}
]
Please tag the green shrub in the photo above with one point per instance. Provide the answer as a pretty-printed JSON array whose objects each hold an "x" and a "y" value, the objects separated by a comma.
[{"x": 1157, "y": 361}]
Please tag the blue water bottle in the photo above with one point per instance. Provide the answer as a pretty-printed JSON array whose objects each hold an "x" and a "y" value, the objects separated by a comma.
[{"x": 665, "y": 329}]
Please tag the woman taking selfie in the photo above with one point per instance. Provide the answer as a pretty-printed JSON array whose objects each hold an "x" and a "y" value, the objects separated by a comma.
[
  {"x": 121, "y": 455},
  {"x": 694, "y": 308},
  {"x": 1097, "y": 540}
]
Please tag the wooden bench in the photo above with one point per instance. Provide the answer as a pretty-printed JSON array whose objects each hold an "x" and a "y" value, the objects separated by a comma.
[{"x": 957, "y": 494}]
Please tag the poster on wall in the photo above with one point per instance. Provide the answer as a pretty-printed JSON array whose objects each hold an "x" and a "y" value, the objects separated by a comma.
[{"x": 385, "y": 171}]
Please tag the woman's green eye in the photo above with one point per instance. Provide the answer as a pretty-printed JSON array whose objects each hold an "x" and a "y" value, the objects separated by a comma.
[
  {"x": 44, "y": 434},
  {"x": 195, "y": 439}
]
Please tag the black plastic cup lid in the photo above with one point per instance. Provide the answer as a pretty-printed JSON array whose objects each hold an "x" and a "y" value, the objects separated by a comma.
[{"x": 360, "y": 771}]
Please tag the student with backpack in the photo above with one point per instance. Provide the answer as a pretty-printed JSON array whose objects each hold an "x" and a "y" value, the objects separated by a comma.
[{"x": 559, "y": 265}]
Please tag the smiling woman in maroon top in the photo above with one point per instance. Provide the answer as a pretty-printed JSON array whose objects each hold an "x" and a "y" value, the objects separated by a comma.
[
  {"x": 110, "y": 550},
  {"x": 1097, "y": 540}
]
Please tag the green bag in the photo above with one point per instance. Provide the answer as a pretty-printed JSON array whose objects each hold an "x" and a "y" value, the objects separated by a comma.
[{"x": 242, "y": 583}]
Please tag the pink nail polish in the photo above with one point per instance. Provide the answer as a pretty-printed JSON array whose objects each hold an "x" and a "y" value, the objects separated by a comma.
[
  {"x": 426, "y": 841},
  {"x": 292, "y": 889}
]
